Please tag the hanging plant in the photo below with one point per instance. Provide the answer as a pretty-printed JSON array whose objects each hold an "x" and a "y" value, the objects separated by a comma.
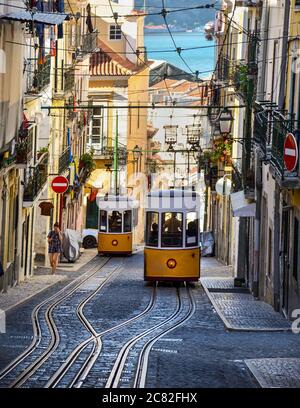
[
  {"x": 86, "y": 166},
  {"x": 21, "y": 151}
]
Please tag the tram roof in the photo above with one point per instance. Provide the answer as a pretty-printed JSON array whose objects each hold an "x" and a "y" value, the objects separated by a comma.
[
  {"x": 173, "y": 193},
  {"x": 116, "y": 202},
  {"x": 173, "y": 200}
]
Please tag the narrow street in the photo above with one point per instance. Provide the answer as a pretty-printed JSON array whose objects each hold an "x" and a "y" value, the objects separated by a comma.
[{"x": 108, "y": 328}]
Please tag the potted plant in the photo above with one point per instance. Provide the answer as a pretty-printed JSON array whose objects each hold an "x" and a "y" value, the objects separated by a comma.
[
  {"x": 42, "y": 151},
  {"x": 22, "y": 152}
]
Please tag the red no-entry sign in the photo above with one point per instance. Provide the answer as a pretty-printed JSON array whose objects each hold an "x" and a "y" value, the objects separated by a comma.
[
  {"x": 60, "y": 184},
  {"x": 290, "y": 152}
]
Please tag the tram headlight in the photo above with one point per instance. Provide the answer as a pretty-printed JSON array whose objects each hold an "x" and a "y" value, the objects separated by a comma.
[
  {"x": 171, "y": 263},
  {"x": 114, "y": 242}
]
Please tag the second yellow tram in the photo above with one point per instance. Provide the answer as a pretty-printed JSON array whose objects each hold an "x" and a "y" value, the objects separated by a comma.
[
  {"x": 116, "y": 224},
  {"x": 172, "y": 237}
]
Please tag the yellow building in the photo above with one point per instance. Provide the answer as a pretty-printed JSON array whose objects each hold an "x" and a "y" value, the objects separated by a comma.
[{"x": 118, "y": 97}]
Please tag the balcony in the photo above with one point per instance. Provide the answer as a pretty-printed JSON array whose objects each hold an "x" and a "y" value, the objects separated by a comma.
[
  {"x": 223, "y": 68},
  {"x": 107, "y": 154},
  {"x": 38, "y": 75},
  {"x": 280, "y": 127},
  {"x": 24, "y": 147},
  {"x": 36, "y": 178},
  {"x": 69, "y": 79},
  {"x": 89, "y": 43},
  {"x": 262, "y": 131},
  {"x": 64, "y": 160}
]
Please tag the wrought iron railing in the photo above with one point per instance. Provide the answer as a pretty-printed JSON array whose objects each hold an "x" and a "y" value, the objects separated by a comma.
[
  {"x": 64, "y": 160},
  {"x": 262, "y": 130},
  {"x": 107, "y": 153},
  {"x": 89, "y": 43},
  {"x": 39, "y": 75},
  {"x": 36, "y": 178},
  {"x": 24, "y": 147},
  {"x": 69, "y": 79},
  {"x": 223, "y": 68},
  {"x": 280, "y": 127}
]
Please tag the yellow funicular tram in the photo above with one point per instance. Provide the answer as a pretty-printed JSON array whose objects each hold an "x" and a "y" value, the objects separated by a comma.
[
  {"x": 116, "y": 224},
  {"x": 172, "y": 236}
]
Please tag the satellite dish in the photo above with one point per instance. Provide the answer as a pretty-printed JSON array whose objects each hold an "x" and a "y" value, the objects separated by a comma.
[{"x": 223, "y": 186}]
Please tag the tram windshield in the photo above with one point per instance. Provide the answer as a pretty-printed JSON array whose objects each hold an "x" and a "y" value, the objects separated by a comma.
[
  {"x": 115, "y": 221},
  {"x": 171, "y": 233},
  {"x": 192, "y": 229},
  {"x": 127, "y": 220},
  {"x": 152, "y": 229}
]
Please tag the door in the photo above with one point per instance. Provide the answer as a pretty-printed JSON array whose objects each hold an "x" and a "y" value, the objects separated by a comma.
[{"x": 285, "y": 258}]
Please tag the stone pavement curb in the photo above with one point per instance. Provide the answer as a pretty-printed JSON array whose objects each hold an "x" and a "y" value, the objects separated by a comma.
[
  {"x": 231, "y": 327},
  {"x": 31, "y": 295},
  {"x": 29, "y": 292},
  {"x": 275, "y": 372}
]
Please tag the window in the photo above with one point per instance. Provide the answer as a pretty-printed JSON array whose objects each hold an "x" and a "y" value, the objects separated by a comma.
[
  {"x": 192, "y": 230},
  {"x": 115, "y": 32},
  {"x": 97, "y": 119},
  {"x": 152, "y": 229},
  {"x": 115, "y": 221},
  {"x": 296, "y": 242},
  {"x": 103, "y": 221},
  {"x": 127, "y": 221},
  {"x": 171, "y": 234}
]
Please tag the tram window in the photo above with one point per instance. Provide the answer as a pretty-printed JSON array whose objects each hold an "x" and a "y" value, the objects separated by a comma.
[
  {"x": 192, "y": 229},
  {"x": 152, "y": 229},
  {"x": 115, "y": 221},
  {"x": 127, "y": 221},
  {"x": 103, "y": 221},
  {"x": 171, "y": 234}
]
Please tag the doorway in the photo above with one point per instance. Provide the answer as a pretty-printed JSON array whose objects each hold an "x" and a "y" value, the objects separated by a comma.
[{"x": 285, "y": 258}]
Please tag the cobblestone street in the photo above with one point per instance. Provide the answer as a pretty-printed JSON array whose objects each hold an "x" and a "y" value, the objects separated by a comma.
[{"x": 98, "y": 315}]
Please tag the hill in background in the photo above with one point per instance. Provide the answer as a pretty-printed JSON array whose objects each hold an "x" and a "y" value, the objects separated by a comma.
[{"x": 188, "y": 19}]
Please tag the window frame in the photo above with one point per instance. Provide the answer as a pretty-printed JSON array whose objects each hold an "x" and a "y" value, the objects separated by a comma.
[
  {"x": 163, "y": 232},
  {"x": 197, "y": 243},
  {"x": 100, "y": 219},
  {"x": 123, "y": 222},
  {"x": 108, "y": 226},
  {"x": 147, "y": 241},
  {"x": 114, "y": 29}
]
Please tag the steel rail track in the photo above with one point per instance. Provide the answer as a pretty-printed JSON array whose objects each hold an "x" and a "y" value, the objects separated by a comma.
[
  {"x": 116, "y": 372},
  {"x": 55, "y": 338},
  {"x": 97, "y": 347},
  {"x": 61, "y": 295},
  {"x": 142, "y": 366},
  {"x": 37, "y": 335}
]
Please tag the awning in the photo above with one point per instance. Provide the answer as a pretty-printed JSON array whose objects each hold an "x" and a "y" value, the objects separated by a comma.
[
  {"x": 38, "y": 17},
  {"x": 240, "y": 206}
]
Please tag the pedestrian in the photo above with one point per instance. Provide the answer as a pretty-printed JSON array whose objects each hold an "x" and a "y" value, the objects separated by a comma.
[{"x": 54, "y": 246}]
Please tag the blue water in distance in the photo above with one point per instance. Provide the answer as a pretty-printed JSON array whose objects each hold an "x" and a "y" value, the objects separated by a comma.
[{"x": 202, "y": 59}]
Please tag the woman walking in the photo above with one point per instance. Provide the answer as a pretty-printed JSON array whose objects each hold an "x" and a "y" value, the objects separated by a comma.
[{"x": 54, "y": 246}]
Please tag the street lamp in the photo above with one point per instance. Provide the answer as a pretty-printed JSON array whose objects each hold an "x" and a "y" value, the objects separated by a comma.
[
  {"x": 193, "y": 135},
  {"x": 137, "y": 152},
  {"x": 171, "y": 136},
  {"x": 225, "y": 120},
  {"x": 217, "y": 132}
]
